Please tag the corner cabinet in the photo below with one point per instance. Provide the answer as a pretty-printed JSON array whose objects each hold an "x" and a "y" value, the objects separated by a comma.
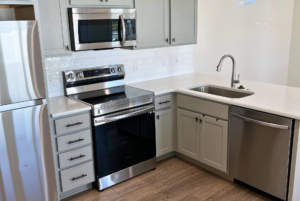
[
  {"x": 162, "y": 23},
  {"x": 184, "y": 15},
  {"x": 54, "y": 26},
  {"x": 188, "y": 133},
  {"x": 214, "y": 143},
  {"x": 153, "y": 23},
  {"x": 164, "y": 136}
]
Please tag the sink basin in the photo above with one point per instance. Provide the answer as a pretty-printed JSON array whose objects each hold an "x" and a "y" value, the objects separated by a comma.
[{"x": 222, "y": 91}]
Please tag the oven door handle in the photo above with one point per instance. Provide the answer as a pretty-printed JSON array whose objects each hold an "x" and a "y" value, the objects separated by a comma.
[
  {"x": 124, "y": 30},
  {"x": 102, "y": 120}
]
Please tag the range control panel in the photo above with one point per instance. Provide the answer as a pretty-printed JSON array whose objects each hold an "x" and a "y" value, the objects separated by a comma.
[{"x": 91, "y": 73}]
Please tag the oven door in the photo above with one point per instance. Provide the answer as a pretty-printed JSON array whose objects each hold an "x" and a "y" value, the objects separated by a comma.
[
  {"x": 93, "y": 29},
  {"x": 123, "y": 139}
]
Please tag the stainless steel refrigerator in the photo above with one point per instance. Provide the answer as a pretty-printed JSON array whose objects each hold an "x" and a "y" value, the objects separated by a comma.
[{"x": 26, "y": 159}]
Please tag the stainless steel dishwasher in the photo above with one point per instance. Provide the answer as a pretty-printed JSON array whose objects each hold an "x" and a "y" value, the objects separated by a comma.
[{"x": 260, "y": 148}]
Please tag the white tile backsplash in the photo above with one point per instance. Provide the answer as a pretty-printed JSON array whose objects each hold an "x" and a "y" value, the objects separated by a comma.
[{"x": 152, "y": 64}]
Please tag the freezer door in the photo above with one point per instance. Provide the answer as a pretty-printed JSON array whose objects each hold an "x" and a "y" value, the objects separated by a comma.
[
  {"x": 26, "y": 159},
  {"x": 21, "y": 70}
]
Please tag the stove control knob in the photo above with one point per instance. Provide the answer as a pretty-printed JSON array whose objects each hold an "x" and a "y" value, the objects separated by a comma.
[
  {"x": 113, "y": 70},
  {"x": 120, "y": 69},
  {"x": 71, "y": 76},
  {"x": 79, "y": 75},
  {"x": 99, "y": 111}
]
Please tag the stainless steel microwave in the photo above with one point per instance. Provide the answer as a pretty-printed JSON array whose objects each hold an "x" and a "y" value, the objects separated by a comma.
[{"x": 96, "y": 28}]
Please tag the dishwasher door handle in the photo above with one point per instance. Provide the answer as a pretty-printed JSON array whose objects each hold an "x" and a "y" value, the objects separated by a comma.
[{"x": 262, "y": 122}]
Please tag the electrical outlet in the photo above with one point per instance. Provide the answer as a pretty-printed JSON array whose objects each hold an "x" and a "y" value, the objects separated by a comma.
[
  {"x": 265, "y": 25},
  {"x": 258, "y": 25},
  {"x": 174, "y": 60},
  {"x": 165, "y": 62},
  {"x": 135, "y": 66}
]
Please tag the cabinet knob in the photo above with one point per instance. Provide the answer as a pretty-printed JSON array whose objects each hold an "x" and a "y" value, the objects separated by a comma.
[
  {"x": 67, "y": 48},
  {"x": 174, "y": 40},
  {"x": 157, "y": 116},
  {"x": 196, "y": 119},
  {"x": 167, "y": 40}
]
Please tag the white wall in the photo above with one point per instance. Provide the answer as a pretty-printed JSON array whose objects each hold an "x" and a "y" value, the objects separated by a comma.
[
  {"x": 294, "y": 64},
  {"x": 224, "y": 27},
  {"x": 150, "y": 64}
]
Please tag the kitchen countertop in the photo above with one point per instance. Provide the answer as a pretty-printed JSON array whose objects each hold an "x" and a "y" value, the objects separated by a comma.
[
  {"x": 270, "y": 98},
  {"x": 62, "y": 106}
]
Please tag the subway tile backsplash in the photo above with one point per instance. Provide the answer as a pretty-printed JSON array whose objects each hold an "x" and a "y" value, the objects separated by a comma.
[{"x": 140, "y": 65}]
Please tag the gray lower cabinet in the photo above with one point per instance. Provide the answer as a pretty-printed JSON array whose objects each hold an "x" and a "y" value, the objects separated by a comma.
[
  {"x": 214, "y": 143},
  {"x": 73, "y": 152},
  {"x": 54, "y": 27},
  {"x": 188, "y": 133},
  {"x": 203, "y": 138},
  {"x": 184, "y": 15},
  {"x": 164, "y": 132},
  {"x": 153, "y": 23}
]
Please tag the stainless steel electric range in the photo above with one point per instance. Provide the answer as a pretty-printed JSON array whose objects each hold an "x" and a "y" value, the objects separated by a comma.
[{"x": 123, "y": 122}]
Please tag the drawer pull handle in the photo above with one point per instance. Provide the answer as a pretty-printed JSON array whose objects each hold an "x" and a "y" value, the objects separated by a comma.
[
  {"x": 70, "y": 125},
  {"x": 75, "y": 178},
  {"x": 79, "y": 140},
  {"x": 78, "y": 157},
  {"x": 164, "y": 102}
]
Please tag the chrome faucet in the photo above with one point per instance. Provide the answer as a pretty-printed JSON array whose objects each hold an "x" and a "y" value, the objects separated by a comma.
[{"x": 233, "y": 80}]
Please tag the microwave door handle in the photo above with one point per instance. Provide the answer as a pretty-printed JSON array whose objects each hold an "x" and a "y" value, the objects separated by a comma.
[{"x": 124, "y": 30}]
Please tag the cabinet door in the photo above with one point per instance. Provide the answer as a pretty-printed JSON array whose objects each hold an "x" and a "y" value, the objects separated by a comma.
[
  {"x": 118, "y": 2},
  {"x": 214, "y": 143},
  {"x": 188, "y": 133},
  {"x": 164, "y": 137},
  {"x": 184, "y": 16},
  {"x": 54, "y": 26},
  {"x": 153, "y": 23}
]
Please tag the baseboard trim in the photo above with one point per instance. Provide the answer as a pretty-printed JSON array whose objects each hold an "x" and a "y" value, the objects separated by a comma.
[
  {"x": 75, "y": 191},
  {"x": 165, "y": 156},
  {"x": 222, "y": 174}
]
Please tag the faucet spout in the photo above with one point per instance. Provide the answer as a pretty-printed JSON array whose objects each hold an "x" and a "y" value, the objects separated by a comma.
[{"x": 233, "y": 78}]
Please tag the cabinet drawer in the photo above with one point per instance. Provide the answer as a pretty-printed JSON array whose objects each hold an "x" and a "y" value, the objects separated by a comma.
[
  {"x": 75, "y": 156},
  {"x": 202, "y": 106},
  {"x": 163, "y": 102},
  {"x": 77, "y": 176},
  {"x": 74, "y": 140},
  {"x": 72, "y": 123},
  {"x": 86, "y": 2}
]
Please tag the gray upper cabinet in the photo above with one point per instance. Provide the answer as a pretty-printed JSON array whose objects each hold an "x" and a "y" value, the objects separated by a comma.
[
  {"x": 184, "y": 14},
  {"x": 123, "y": 3},
  {"x": 163, "y": 23},
  {"x": 153, "y": 23},
  {"x": 54, "y": 26}
]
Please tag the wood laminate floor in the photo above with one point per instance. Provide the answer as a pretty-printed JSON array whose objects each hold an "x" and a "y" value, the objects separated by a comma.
[{"x": 174, "y": 179}]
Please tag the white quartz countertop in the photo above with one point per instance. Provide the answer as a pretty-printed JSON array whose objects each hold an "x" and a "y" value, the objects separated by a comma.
[
  {"x": 62, "y": 106},
  {"x": 271, "y": 98}
]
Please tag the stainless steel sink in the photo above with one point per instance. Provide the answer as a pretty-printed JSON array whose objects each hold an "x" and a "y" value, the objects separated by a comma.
[{"x": 222, "y": 91}]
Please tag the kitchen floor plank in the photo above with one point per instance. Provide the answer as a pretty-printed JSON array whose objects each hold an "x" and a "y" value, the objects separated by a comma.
[{"x": 175, "y": 179}]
